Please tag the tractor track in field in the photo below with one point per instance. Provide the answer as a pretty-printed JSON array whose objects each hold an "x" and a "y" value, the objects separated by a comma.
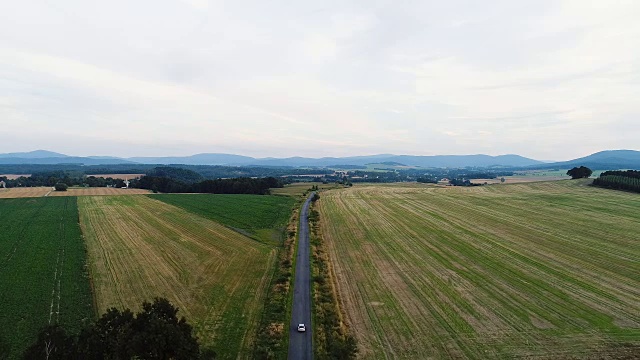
[{"x": 57, "y": 277}]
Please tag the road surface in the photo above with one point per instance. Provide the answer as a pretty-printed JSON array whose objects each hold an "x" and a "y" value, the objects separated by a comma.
[{"x": 300, "y": 343}]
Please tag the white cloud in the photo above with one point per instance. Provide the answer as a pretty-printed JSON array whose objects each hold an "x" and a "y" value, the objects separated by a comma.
[{"x": 283, "y": 79}]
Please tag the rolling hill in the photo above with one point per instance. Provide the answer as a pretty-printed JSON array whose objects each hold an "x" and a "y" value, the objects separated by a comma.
[
  {"x": 603, "y": 160},
  {"x": 609, "y": 159}
]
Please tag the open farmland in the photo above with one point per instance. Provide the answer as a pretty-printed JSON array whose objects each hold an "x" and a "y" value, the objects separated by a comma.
[
  {"x": 258, "y": 216},
  {"x": 30, "y": 192},
  {"x": 43, "y": 278},
  {"x": 299, "y": 189},
  {"x": 519, "y": 179},
  {"x": 547, "y": 270},
  {"x": 25, "y": 192},
  {"x": 140, "y": 248},
  {"x": 94, "y": 191}
]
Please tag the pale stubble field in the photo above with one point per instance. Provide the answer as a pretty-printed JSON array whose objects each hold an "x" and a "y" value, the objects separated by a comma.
[{"x": 547, "y": 270}]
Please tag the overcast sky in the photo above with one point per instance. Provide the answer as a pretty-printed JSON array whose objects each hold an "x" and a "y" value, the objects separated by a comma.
[{"x": 551, "y": 80}]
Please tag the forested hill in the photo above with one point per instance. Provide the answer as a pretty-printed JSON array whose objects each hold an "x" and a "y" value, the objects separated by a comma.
[{"x": 603, "y": 160}]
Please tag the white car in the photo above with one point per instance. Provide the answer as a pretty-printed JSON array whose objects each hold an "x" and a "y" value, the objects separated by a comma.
[{"x": 302, "y": 328}]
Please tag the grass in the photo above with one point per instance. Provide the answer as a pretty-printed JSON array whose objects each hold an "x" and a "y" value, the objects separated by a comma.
[
  {"x": 273, "y": 333},
  {"x": 258, "y": 216},
  {"x": 140, "y": 248},
  {"x": 525, "y": 270},
  {"x": 330, "y": 337},
  {"x": 43, "y": 277}
]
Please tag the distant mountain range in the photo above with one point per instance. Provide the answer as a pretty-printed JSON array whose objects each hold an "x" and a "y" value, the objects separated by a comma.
[
  {"x": 51, "y": 158},
  {"x": 602, "y": 160}
]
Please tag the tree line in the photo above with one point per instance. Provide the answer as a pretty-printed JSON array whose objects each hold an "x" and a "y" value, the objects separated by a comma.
[
  {"x": 51, "y": 178},
  {"x": 620, "y": 180},
  {"x": 159, "y": 179},
  {"x": 259, "y": 186}
]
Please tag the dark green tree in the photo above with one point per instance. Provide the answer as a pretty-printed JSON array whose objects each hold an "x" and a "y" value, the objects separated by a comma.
[
  {"x": 159, "y": 334},
  {"x": 61, "y": 186},
  {"x": 580, "y": 172},
  {"x": 52, "y": 344},
  {"x": 109, "y": 337},
  {"x": 153, "y": 333}
]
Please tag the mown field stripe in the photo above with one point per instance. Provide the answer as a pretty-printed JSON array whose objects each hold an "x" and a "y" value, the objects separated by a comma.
[{"x": 518, "y": 279}]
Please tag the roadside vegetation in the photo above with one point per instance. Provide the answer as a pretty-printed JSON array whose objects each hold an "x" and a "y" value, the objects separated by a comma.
[
  {"x": 43, "y": 274},
  {"x": 331, "y": 337},
  {"x": 272, "y": 339},
  {"x": 545, "y": 270}
]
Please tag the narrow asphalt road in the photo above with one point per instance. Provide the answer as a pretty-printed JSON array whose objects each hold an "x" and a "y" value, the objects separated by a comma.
[{"x": 300, "y": 342}]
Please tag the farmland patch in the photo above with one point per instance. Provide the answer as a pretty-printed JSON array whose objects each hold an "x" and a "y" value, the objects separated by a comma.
[
  {"x": 526, "y": 270},
  {"x": 43, "y": 277},
  {"x": 259, "y": 216},
  {"x": 140, "y": 248}
]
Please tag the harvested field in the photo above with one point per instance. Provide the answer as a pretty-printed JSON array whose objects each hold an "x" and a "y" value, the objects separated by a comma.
[
  {"x": 520, "y": 179},
  {"x": 93, "y": 191},
  {"x": 546, "y": 270},
  {"x": 14, "y": 176},
  {"x": 118, "y": 176},
  {"x": 24, "y": 192},
  {"x": 140, "y": 248},
  {"x": 43, "y": 278}
]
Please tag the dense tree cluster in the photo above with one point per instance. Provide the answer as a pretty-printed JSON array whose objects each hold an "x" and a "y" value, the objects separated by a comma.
[
  {"x": 50, "y": 178},
  {"x": 176, "y": 173},
  {"x": 581, "y": 172},
  {"x": 68, "y": 178},
  {"x": 428, "y": 179},
  {"x": 258, "y": 186},
  {"x": 620, "y": 180},
  {"x": 634, "y": 174},
  {"x": 93, "y": 181},
  {"x": 153, "y": 333}
]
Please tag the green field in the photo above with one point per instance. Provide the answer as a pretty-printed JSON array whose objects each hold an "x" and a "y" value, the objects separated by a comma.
[
  {"x": 548, "y": 269},
  {"x": 140, "y": 248},
  {"x": 43, "y": 278},
  {"x": 301, "y": 188},
  {"x": 258, "y": 216}
]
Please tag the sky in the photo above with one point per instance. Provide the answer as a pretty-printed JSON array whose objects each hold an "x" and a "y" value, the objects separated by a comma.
[{"x": 550, "y": 80}]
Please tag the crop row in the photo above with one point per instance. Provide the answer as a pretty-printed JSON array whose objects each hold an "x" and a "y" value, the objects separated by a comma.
[
  {"x": 499, "y": 271},
  {"x": 35, "y": 276}
]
